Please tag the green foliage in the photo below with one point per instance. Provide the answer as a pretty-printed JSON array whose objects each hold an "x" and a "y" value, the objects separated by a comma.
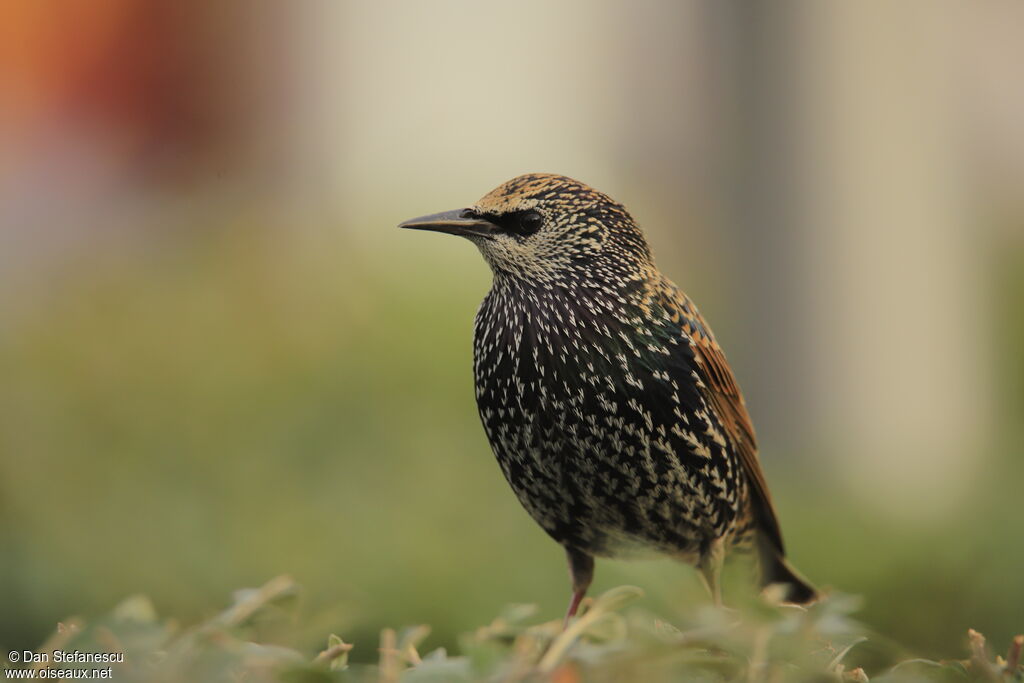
[{"x": 761, "y": 640}]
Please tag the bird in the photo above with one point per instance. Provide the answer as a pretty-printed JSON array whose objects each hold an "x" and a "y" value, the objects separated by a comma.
[{"x": 607, "y": 401}]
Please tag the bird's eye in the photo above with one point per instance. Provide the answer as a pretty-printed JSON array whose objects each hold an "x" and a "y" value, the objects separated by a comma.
[{"x": 530, "y": 222}]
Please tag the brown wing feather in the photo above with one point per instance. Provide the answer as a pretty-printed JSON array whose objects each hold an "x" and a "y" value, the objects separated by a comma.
[{"x": 723, "y": 393}]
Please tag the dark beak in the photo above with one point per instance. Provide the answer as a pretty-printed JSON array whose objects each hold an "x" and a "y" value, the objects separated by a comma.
[{"x": 458, "y": 222}]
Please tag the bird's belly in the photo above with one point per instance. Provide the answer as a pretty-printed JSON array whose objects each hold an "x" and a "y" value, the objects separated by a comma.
[
  {"x": 605, "y": 466},
  {"x": 610, "y": 503}
]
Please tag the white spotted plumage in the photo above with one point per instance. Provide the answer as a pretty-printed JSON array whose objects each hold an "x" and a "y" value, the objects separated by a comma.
[{"x": 605, "y": 397}]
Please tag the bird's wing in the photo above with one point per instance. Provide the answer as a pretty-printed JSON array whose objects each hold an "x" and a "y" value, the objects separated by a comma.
[{"x": 723, "y": 394}]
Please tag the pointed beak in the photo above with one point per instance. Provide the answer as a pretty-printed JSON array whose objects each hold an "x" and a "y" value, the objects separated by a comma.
[{"x": 458, "y": 222}]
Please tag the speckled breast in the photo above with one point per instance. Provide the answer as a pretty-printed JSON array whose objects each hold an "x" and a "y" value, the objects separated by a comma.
[{"x": 594, "y": 416}]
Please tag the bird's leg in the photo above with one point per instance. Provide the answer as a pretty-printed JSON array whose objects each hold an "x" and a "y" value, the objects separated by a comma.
[
  {"x": 581, "y": 572},
  {"x": 710, "y": 568}
]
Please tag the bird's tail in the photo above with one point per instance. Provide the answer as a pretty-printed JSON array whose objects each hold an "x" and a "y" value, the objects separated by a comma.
[{"x": 775, "y": 569}]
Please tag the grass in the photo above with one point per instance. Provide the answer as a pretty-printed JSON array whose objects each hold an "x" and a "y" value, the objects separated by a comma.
[{"x": 758, "y": 640}]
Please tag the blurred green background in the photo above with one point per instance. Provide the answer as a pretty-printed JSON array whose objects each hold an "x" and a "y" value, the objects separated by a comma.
[{"x": 220, "y": 361}]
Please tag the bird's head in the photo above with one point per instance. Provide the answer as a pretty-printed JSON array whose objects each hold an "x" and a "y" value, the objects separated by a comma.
[{"x": 545, "y": 227}]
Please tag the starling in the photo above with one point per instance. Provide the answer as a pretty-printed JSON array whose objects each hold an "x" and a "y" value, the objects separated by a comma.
[{"x": 609, "y": 405}]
